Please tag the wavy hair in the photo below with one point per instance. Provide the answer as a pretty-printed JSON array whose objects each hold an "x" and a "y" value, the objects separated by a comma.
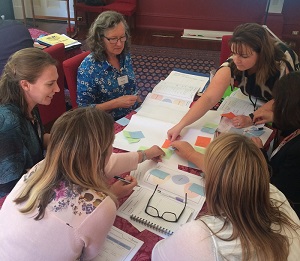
[
  {"x": 26, "y": 64},
  {"x": 286, "y": 107},
  {"x": 79, "y": 144},
  {"x": 105, "y": 21},
  {"x": 258, "y": 38},
  {"x": 237, "y": 191}
]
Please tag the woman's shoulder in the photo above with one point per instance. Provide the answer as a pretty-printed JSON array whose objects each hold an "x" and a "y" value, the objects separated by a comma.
[
  {"x": 82, "y": 202},
  {"x": 10, "y": 117}
]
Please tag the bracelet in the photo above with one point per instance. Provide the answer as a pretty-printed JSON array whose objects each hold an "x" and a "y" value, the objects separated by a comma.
[
  {"x": 251, "y": 115},
  {"x": 143, "y": 154}
]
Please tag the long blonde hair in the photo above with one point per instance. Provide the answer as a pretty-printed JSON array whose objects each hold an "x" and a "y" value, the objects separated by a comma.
[
  {"x": 237, "y": 190},
  {"x": 79, "y": 144}
]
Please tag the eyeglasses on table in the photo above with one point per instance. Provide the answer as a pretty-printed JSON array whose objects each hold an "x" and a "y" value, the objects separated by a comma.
[{"x": 167, "y": 215}]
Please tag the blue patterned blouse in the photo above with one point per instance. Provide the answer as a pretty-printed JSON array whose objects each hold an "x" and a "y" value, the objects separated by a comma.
[{"x": 97, "y": 82}]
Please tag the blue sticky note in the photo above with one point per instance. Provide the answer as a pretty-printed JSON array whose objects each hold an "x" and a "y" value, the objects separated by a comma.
[
  {"x": 208, "y": 130},
  {"x": 192, "y": 165},
  {"x": 136, "y": 134},
  {"x": 197, "y": 189},
  {"x": 257, "y": 133},
  {"x": 123, "y": 121},
  {"x": 159, "y": 173},
  {"x": 235, "y": 130}
]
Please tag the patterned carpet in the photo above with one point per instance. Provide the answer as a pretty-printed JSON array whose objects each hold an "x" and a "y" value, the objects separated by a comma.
[{"x": 152, "y": 64}]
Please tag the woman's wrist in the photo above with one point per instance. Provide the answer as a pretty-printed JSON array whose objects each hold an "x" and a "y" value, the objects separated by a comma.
[{"x": 142, "y": 156}]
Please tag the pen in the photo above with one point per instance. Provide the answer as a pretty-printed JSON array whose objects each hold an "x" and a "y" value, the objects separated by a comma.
[{"x": 124, "y": 180}]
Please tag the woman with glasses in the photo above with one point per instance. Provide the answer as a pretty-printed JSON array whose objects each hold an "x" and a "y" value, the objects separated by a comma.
[
  {"x": 247, "y": 218},
  {"x": 285, "y": 159},
  {"x": 256, "y": 63},
  {"x": 105, "y": 78},
  {"x": 63, "y": 207}
]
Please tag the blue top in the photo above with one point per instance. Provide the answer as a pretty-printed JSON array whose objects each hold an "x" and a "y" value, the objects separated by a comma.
[
  {"x": 21, "y": 145},
  {"x": 97, "y": 82}
]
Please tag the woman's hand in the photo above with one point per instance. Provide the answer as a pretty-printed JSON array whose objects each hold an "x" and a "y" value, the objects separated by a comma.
[
  {"x": 257, "y": 141},
  {"x": 174, "y": 133},
  {"x": 126, "y": 101},
  {"x": 263, "y": 116},
  {"x": 242, "y": 121},
  {"x": 183, "y": 149},
  {"x": 155, "y": 153},
  {"x": 121, "y": 189}
]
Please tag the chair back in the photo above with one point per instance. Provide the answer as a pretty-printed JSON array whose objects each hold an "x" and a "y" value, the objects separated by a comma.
[
  {"x": 225, "y": 48},
  {"x": 70, "y": 67},
  {"x": 49, "y": 113}
]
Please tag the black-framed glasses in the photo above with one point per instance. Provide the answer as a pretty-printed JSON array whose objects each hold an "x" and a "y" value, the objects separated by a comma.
[
  {"x": 167, "y": 215},
  {"x": 114, "y": 40}
]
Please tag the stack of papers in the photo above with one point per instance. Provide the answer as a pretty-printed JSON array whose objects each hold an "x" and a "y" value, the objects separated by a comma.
[{"x": 56, "y": 38}]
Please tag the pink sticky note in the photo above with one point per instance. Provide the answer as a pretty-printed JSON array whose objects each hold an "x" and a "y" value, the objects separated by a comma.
[{"x": 202, "y": 141}]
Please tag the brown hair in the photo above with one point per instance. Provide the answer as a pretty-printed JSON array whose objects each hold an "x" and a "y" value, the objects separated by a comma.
[
  {"x": 106, "y": 20},
  {"x": 237, "y": 191},
  {"x": 286, "y": 107},
  {"x": 26, "y": 64},
  {"x": 79, "y": 145},
  {"x": 257, "y": 38}
]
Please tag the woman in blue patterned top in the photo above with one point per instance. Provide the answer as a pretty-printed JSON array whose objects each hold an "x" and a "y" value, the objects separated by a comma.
[{"x": 106, "y": 78}]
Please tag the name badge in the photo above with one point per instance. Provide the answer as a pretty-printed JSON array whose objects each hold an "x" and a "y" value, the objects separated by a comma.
[{"x": 122, "y": 80}]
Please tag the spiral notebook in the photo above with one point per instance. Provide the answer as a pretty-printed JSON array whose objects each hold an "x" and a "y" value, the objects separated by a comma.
[
  {"x": 163, "y": 204},
  {"x": 173, "y": 184}
]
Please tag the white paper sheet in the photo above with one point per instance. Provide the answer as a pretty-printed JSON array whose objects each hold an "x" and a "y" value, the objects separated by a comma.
[{"x": 119, "y": 246}]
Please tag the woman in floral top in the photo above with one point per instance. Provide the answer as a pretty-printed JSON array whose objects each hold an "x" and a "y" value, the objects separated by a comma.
[
  {"x": 63, "y": 208},
  {"x": 106, "y": 78}
]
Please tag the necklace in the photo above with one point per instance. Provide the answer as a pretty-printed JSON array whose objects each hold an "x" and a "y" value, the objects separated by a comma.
[{"x": 285, "y": 140}]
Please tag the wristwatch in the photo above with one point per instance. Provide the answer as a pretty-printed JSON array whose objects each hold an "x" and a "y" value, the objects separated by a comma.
[
  {"x": 251, "y": 115},
  {"x": 143, "y": 154}
]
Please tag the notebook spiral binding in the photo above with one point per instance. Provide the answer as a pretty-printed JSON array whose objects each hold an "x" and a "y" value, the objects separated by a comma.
[{"x": 151, "y": 225}]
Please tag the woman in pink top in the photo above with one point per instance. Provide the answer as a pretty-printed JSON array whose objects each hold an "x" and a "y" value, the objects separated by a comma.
[{"x": 63, "y": 208}]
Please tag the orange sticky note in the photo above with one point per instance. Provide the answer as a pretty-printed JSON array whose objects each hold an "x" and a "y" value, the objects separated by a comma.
[
  {"x": 202, "y": 141},
  {"x": 228, "y": 115},
  {"x": 166, "y": 144}
]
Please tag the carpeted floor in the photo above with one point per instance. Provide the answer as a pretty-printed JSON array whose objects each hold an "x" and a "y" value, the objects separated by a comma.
[{"x": 152, "y": 64}]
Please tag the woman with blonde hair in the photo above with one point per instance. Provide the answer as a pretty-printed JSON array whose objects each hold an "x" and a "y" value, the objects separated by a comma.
[
  {"x": 63, "y": 208},
  {"x": 29, "y": 78},
  {"x": 247, "y": 218}
]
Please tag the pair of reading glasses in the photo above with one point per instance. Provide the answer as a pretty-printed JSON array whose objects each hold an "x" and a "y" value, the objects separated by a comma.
[
  {"x": 167, "y": 216},
  {"x": 115, "y": 39}
]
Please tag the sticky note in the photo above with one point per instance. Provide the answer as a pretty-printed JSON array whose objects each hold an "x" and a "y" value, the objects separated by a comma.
[
  {"x": 208, "y": 130},
  {"x": 143, "y": 148},
  {"x": 210, "y": 125},
  {"x": 166, "y": 144},
  {"x": 257, "y": 133},
  {"x": 123, "y": 121},
  {"x": 200, "y": 149},
  {"x": 202, "y": 141},
  {"x": 192, "y": 165},
  {"x": 131, "y": 140},
  {"x": 168, "y": 153},
  {"x": 228, "y": 115},
  {"x": 235, "y": 130},
  {"x": 197, "y": 189},
  {"x": 159, "y": 173},
  {"x": 136, "y": 134}
]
